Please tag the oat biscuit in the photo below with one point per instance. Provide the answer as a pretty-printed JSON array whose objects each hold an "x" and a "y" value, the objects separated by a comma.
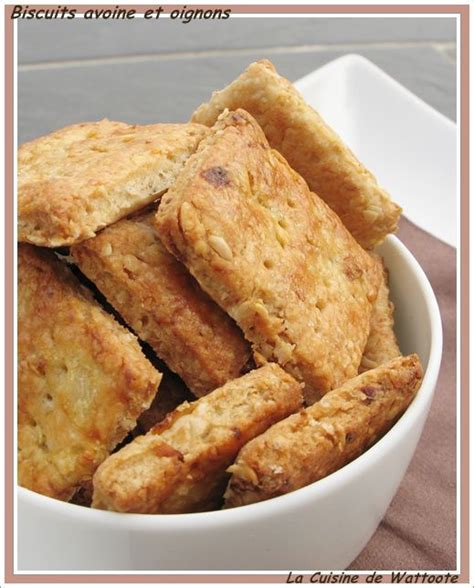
[
  {"x": 79, "y": 179},
  {"x": 163, "y": 303},
  {"x": 272, "y": 254},
  {"x": 319, "y": 440},
  {"x": 382, "y": 343},
  {"x": 179, "y": 466},
  {"x": 313, "y": 149},
  {"x": 82, "y": 378}
]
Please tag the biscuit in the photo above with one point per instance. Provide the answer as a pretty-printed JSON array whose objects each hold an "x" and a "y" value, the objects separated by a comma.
[
  {"x": 79, "y": 179},
  {"x": 82, "y": 378},
  {"x": 272, "y": 254},
  {"x": 382, "y": 343},
  {"x": 179, "y": 466},
  {"x": 319, "y": 440},
  {"x": 163, "y": 304},
  {"x": 311, "y": 147}
]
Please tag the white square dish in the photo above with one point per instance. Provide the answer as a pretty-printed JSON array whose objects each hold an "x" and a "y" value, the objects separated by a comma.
[{"x": 409, "y": 146}]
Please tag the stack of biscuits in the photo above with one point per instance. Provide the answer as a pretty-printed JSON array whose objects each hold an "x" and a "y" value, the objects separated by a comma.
[{"x": 203, "y": 323}]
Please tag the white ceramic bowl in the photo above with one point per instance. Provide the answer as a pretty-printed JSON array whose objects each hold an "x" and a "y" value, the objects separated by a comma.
[{"x": 323, "y": 526}]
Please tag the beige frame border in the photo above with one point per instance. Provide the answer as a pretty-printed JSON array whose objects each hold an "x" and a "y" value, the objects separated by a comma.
[{"x": 463, "y": 120}]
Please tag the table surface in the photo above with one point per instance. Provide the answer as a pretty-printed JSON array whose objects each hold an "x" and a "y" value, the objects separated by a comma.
[{"x": 159, "y": 71}]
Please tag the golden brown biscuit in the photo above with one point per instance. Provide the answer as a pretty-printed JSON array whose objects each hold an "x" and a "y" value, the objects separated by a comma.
[
  {"x": 272, "y": 254},
  {"x": 382, "y": 343},
  {"x": 179, "y": 466},
  {"x": 163, "y": 304},
  {"x": 312, "y": 148},
  {"x": 82, "y": 378},
  {"x": 79, "y": 179},
  {"x": 319, "y": 440}
]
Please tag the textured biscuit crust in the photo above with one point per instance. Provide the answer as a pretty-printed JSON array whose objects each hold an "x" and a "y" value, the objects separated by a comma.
[
  {"x": 312, "y": 148},
  {"x": 179, "y": 466},
  {"x": 82, "y": 378},
  {"x": 272, "y": 254},
  {"x": 382, "y": 343},
  {"x": 163, "y": 304},
  {"x": 320, "y": 439},
  {"x": 77, "y": 180}
]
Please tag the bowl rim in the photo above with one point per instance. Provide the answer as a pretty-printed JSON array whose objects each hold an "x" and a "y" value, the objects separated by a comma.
[{"x": 298, "y": 498}]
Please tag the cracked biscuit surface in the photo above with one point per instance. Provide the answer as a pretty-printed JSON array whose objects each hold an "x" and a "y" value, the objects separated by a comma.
[
  {"x": 272, "y": 254},
  {"x": 312, "y": 148},
  {"x": 319, "y": 440},
  {"x": 163, "y": 304},
  {"x": 82, "y": 378},
  {"x": 77, "y": 180},
  {"x": 179, "y": 466}
]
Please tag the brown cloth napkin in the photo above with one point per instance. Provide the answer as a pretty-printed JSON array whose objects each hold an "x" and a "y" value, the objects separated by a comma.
[{"x": 419, "y": 529}]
